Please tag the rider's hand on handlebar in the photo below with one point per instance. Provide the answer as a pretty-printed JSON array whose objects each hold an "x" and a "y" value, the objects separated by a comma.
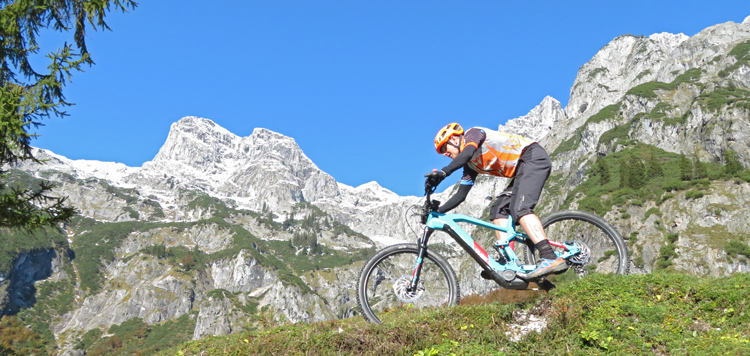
[{"x": 434, "y": 178}]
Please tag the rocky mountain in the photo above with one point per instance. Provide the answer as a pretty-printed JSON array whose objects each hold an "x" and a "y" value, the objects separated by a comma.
[
  {"x": 652, "y": 96},
  {"x": 219, "y": 232}
]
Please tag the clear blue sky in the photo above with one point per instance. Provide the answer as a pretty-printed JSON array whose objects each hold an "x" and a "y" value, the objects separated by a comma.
[{"x": 363, "y": 86}]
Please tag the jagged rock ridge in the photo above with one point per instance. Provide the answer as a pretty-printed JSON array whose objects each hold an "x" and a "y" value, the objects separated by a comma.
[{"x": 210, "y": 191}]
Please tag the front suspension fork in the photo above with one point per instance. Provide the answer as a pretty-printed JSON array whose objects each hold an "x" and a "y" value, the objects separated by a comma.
[{"x": 422, "y": 243}]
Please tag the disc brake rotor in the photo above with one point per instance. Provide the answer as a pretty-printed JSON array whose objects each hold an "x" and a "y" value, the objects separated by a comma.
[
  {"x": 583, "y": 256},
  {"x": 401, "y": 286}
]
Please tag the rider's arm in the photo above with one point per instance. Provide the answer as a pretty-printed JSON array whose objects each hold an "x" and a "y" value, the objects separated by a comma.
[
  {"x": 456, "y": 199},
  {"x": 465, "y": 185},
  {"x": 461, "y": 160}
]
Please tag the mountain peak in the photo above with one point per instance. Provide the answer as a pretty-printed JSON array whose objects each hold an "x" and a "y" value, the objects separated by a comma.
[
  {"x": 261, "y": 136},
  {"x": 538, "y": 122},
  {"x": 191, "y": 132},
  {"x": 669, "y": 39}
]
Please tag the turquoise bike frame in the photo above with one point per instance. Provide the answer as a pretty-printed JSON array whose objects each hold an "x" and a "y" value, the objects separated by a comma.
[{"x": 510, "y": 274}]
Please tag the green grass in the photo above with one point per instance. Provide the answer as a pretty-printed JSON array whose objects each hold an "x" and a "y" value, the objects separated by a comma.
[
  {"x": 569, "y": 144},
  {"x": 659, "y": 313},
  {"x": 742, "y": 53},
  {"x": 736, "y": 247},
  {"x": 617, "y": 134},
  {"x": 606, "y": 113},
  {"x": 720, "y": 98},
  {"x": 648, "y": 90}
]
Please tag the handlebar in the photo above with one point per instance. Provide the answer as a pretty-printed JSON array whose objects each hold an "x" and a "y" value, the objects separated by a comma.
[{"x": 429, "y": 205}]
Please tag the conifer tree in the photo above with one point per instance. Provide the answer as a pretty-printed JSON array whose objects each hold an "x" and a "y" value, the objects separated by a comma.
[
  {"x": 624, "y": 172},
  {"x": 654, "y": 167},
  {"x": 636, "y": 173},
  {"x": 686, "y": 168},
  {"x": 732, "y": 164},
  {"x": 602, "y": 170},
  {"x": 28, "y": 96},
  {"x": 700, "y": 170}
]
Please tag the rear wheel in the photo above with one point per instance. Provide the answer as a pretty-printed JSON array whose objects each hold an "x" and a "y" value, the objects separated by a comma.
[
  {"x": 607, "y": 251},
  {"x": 382, "y": 284}
]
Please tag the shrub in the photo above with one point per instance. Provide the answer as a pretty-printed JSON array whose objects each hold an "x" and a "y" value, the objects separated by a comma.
[
  {"x": 736, "y": 247},
  {"x": 694, "y": 194},
  {"x": 616, "y": 134},
  {"x": 606, "y": 113},
  {"x": 652, "y": 211},
  {"x": 732, "y": 164}
]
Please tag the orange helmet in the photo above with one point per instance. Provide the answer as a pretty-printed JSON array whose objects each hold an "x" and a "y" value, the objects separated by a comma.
[{"x": 445, "y": 134}]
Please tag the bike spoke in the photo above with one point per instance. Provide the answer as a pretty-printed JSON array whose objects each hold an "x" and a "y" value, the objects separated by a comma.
[
  {"x": 385, "y": 285},
  {"x": 607, "y": 251}
]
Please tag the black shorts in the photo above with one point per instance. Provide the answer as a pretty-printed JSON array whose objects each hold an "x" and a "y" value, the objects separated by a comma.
[{"x": 522, "y": 194}]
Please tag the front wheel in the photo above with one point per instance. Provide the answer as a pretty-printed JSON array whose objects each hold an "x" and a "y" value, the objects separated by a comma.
[{"x": 382, "y": 284}]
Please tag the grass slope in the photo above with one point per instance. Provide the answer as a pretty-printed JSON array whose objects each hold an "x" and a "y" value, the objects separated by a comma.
[{"x": 663, "y": 314}]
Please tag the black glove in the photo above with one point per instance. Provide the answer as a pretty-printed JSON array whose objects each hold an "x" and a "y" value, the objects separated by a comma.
[{"x": 434, "y": 178}]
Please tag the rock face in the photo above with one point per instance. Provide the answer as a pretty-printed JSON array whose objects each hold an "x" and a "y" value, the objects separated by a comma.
[
  {"x": 17, "y": 287},
  {"x": 539, "y": 121},
  {"x": 264, "y": 167},
  {"x": 247, "y": 231}
]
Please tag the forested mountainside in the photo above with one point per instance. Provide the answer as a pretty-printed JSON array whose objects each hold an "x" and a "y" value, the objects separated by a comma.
[{"x": 221, "y": 233}]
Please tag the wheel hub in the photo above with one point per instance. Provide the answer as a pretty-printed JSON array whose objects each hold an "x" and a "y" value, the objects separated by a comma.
[
  {"x": 401, "y": 289},
  {"x": 583, "y": 256}
]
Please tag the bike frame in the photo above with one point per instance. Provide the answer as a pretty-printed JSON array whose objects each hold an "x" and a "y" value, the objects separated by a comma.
[{"x": 449, "y": 224}]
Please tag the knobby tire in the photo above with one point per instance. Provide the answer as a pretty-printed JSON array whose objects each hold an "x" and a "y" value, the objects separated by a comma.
[{"x": 375, "y": 295}]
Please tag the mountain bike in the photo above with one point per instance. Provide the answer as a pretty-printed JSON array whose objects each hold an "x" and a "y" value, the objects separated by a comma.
[{"x": 412, "y": 275}]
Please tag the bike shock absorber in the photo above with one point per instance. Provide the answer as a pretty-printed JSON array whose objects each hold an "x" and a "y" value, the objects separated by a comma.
[{"x": 502, "y": 257}]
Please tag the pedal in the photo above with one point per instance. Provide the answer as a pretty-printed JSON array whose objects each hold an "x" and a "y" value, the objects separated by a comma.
[{"x": 486, "y": 275}]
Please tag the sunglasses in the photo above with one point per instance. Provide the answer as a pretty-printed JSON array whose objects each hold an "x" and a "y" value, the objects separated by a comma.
[{"x": 445, "y": 147}]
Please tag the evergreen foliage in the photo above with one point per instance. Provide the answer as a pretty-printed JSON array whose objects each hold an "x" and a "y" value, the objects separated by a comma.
[
  {"x": 733, "y": 165},
  {"x": 736, "y": 247},
  {"x": 742, "y": 53},
  {"x": 601, "y": 169},
  {"x": 654, "y": 167},
  {"x": 700, "y": 170},
  {"x": 632, "y": 172},
  {"x": 686, "y": 168},
  {"x": 635, "y": 182},
  {"x": 648, "y": 90},
  {"x": 28, "y": 96}
]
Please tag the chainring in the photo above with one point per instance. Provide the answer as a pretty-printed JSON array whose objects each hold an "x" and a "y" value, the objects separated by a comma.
[{"x": 401, "y": 286}]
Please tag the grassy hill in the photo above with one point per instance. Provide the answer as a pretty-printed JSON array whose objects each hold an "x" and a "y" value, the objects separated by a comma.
[{"x": 662, "y": 313}]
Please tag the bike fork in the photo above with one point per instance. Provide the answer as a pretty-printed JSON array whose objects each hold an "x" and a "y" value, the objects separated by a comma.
[{"x": 422, "y": 243}]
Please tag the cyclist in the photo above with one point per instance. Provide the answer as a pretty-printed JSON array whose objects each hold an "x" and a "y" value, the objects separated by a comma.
[{"x": 480, "y": 150}]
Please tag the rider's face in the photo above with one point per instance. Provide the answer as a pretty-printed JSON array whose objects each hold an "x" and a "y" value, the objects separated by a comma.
[{"x": 451, "y": 148}]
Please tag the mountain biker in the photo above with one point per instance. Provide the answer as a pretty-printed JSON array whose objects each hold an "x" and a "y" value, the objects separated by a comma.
[{"x": 480, "y": 150}]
